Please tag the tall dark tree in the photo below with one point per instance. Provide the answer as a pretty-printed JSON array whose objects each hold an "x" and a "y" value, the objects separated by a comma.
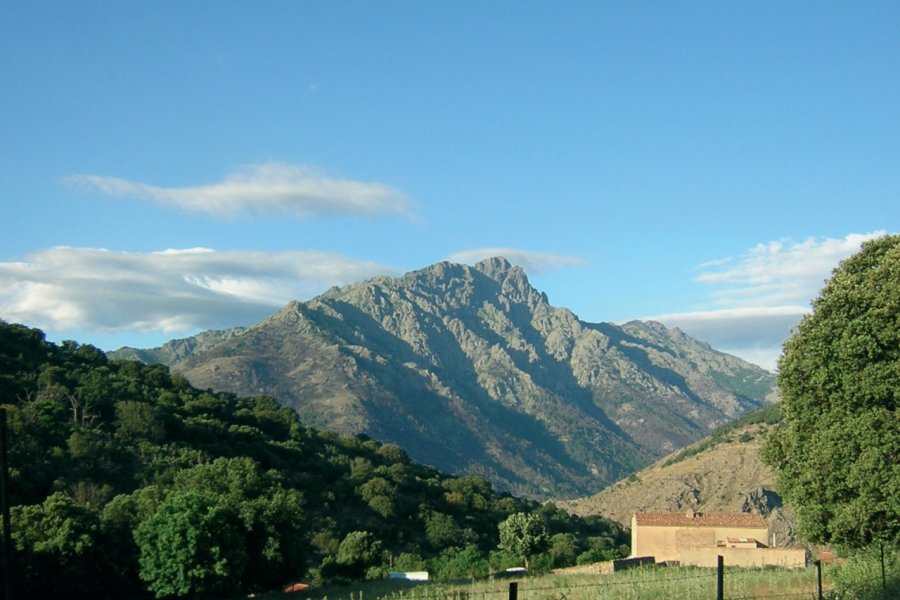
[{"x": 837, "y": 451}]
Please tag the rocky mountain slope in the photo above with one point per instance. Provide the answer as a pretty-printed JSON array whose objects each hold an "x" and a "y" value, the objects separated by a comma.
[
  {"x": 720, "y": 473},
  {"x": 472, "y": 370},
  {"x": 174, "y": 351}
]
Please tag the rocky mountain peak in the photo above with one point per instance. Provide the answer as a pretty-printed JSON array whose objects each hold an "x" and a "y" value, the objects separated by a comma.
[
  {"x": 512, "y": 279},
  {"x": 496, "y": 267},
  {"x": 470, "y": 369}
]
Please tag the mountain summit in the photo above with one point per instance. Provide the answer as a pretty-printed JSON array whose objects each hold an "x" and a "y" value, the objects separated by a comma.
[{"x": 472, "y": 370}]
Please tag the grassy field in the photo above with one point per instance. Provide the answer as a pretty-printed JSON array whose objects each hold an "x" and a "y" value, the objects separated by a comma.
[{"x": 671, "y": 583}]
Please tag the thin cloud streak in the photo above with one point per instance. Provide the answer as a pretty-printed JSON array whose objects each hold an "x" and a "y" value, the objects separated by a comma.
[
  {"x": 533, "y": 262},
  {"x": 762, "y": 294},
  {"x": 272, "y": 188},
  {"x": 173, "y": 291}
]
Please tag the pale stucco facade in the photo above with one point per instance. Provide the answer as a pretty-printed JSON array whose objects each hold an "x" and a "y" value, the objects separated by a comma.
[{"x": 692, "y": 538}]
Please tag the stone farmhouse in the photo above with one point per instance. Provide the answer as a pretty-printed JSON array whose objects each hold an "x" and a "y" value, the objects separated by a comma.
[{"x": 697, "y": 539}]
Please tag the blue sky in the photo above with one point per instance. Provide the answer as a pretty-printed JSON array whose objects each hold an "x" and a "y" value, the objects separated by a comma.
[{"x": 169, "y": 167}]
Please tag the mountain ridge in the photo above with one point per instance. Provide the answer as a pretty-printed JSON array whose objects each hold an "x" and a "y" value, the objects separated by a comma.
[{"x": 471, "y": 369}]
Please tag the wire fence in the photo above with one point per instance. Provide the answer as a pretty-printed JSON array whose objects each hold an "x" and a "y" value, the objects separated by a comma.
[
  {"x": 674, "y": 583},
  {"x": 639, "y": 584}
]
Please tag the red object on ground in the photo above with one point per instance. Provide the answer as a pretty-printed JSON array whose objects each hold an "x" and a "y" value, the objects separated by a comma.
[{"x": 296, "y": 587}]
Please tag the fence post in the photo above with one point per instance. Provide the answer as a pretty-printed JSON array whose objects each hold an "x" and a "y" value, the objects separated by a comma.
[
  {"x": 513, "y": 590},
  {"x": 720, "y": 577},
  {"x": 819, "y": 579}
]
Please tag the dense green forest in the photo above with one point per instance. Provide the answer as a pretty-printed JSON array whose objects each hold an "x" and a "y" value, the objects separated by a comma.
[{"x": 127, "y": 481}]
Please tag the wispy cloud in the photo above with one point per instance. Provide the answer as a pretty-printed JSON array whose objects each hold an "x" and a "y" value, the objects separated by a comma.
[
  {"x": 533, "y": 262},
  {"x": 780, "y": 272},
  {"x": 172, "y": 291},
  {"x": 272, "y": 188},
  {"x": 760, "y": 295}
]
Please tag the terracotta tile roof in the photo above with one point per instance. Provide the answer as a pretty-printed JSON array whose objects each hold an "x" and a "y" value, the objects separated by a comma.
[{"x": 687, "y": 519}]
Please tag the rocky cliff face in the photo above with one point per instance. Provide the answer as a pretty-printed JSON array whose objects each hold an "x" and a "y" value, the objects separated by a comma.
[{"x": 471, "y": 369}]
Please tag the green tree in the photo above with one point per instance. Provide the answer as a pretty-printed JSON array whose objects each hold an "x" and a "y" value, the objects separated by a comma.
[
  {"x": 523, "y": 534},
  {"x": 563, "y": 548},
  {"x": 139, "y": 420},
  {"x": 442, "y": 531},
  {"x": 358, "y": 551},
  {"x": 837, "y": 451},
  {"x": 118, "y": 520},
  {"x": 270, "y": 516},
  {"x": 190, "y": 546},
  {"x": 57, "y": 549},
  {"x": 469, "y": 562}
]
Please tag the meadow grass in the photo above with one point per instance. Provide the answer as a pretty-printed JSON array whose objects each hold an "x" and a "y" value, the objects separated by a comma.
[{"x": 650, "y": 583}]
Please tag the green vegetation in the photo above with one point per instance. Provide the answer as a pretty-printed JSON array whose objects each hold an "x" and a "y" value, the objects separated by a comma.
[
  {"x": 837, "y": 450},
  {"x": 858, "y": 578},
  {"x": 769, "y": 415},
  {"x": 648, "y": 583},
  {"x": 126, "y": 481},
  {"x": 749, "y": 385},
  {"x": 861, "y": 577},
  {"x": 524, "y": 535}
]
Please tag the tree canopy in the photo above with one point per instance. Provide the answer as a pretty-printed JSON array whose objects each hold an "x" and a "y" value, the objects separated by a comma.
[
  {"x": 191, "y": 545},
  {"x": 837, "y": 451},
  {"x": 126, "y": 481},
  {"x": 523, "y": 534}
]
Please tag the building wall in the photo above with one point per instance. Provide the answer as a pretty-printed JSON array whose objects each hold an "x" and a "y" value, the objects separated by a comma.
[
  {"x": 744, "y": 557},
  {"x": 667, "y": 543}
]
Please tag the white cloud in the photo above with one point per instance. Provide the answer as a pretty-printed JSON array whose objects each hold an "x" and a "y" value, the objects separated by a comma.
[
  {"x": 173, "y": 291},
  {"x": 272, "y": 188},
  {"x": 533, "y": 262},
  {"x": 780, "y": 272},
  {"x": 754, "y": 334},
  {"x": 762, "y": 294}
]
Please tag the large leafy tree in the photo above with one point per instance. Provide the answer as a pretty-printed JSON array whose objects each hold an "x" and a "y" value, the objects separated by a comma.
[
  {"x": 523, "y": 534},
  {"x": 271, "y": 517},
  {"x": 56, "y": 550},
  {"x": 837, "y": 452},
  {"x": 191, "y": 546}
]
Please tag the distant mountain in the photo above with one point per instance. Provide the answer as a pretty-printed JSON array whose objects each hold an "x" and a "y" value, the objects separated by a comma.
[
  {"x": 720, "y": 473},
  {"x": 472, "y": 370},
  {"x": 174, "y": 351}
]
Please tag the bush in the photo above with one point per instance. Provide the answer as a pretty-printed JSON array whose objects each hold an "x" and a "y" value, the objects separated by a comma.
[
  {"x": 859, "y": 578},
  {"x": 541, "y": 563}
]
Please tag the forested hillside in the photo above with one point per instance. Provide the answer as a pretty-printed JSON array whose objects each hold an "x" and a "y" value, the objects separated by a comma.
[{"x": 127, "y": 481}]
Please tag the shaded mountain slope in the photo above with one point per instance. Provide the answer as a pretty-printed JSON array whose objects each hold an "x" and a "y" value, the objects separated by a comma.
[{"x": 472, "y": 370}]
